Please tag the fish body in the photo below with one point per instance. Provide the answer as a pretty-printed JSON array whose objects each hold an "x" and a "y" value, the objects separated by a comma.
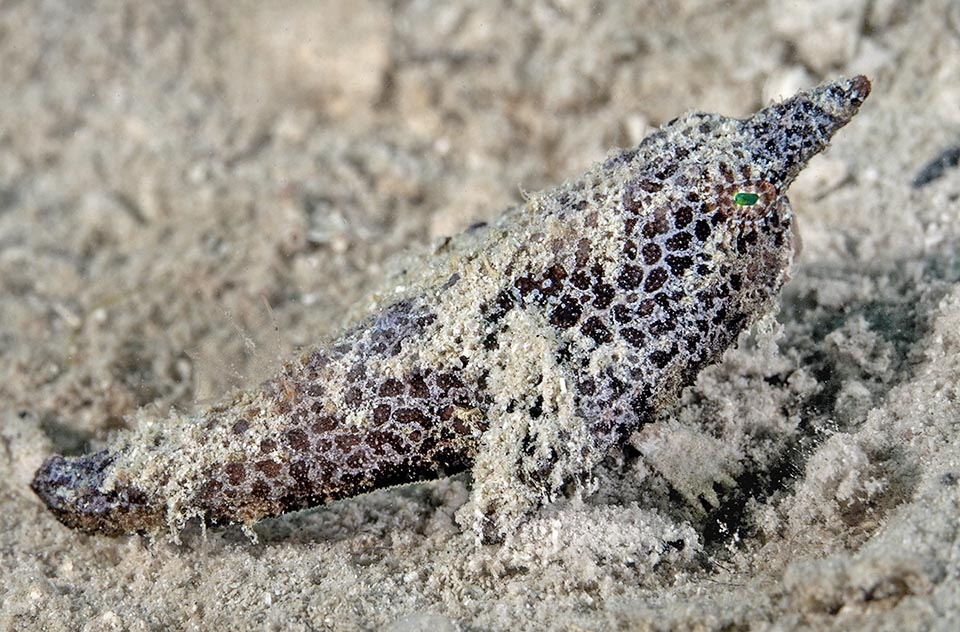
[{"x": 524, "y": 349}]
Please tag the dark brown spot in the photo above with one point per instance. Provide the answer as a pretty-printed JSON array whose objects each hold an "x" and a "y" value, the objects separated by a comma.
[
  {"x": 580, "y": 280},
  {"x": 392, "y": 439},
  {"x": 655, "y": 280},
  {"x": 651, "y": 253},
  {"x": 377, "y": 441},
  {"x": 583, "y": 252},
  {"x": 630, "y": 277},
  {"x": 346, "y": 441},
  {"x": 300, "y": 472},
  {"x": 632, "y": 335},
  {"x": 353, "y": 396},
  {"x": 663, "y": 299},
  {"x": 660, "y": 359},
  {"x": 210, "y": 489},
  {"x": 448, "y": 381},
  {"x": 603, "y": 295},
  {"x": 410, "y": 416},
  {"x": 594, "y": 328},
  {"x": 536, "y": 411},
  {"x": 557, "y": 273},
  {"x": 260, "y": 490},
  {"x": 646, "y": 307},
  {"x": 325, "y": 424},
  {"x": 567, "y": 313},
  {"x": 631, "y": 201},
  {"x": 679, "y": 263},
  {"x": 622, "y": 314},
  {"x": 702, "y": 230},
  {"x": 298, "y": 440},
  {"x": 240, "y": 427},
  {"x": 381, "y": 414},
  {"x": 680, "y": 241},
  {"x": 682, "y": 217},
  {"x": 355, "y": 461},
  {"x": 418, "y": 387},
  {"x": 270, "y": 468},
  {"x": 726, "y": 172},
  {"x": 552, "y": 281},
  {"x": 617, "y": 387},
  {"x": 234, "y": 472},
  {"x": 391, "y": 387},
  {"x": 525, "y": 284},
  {"x": 657, "y": 226},
  {"x": 267, "y": 446},
  {"x": 356, "y": 373}
]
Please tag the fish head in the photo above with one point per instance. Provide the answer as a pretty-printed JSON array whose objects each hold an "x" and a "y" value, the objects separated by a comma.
[{"x": 711, "y": 191}]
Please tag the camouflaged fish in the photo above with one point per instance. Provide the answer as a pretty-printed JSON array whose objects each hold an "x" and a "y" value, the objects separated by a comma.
[{"x": 524, "y": 349}]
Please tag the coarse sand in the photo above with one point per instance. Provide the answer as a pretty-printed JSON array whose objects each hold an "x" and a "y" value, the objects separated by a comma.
[{"x": 190, "y": 191}]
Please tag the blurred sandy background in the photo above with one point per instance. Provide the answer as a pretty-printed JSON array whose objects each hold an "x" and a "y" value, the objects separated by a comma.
[{"x": 191, "y": 190}]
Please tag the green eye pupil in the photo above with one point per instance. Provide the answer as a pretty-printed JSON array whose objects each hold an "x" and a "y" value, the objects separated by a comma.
[{"x": 745, "y": 199}]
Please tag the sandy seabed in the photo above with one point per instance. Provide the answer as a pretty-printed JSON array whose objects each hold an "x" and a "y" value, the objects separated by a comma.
[{"x": 191, "y": 190}]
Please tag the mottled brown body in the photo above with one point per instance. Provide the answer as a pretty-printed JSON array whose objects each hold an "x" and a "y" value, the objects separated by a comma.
[
  {"x": 526, "y": 348},
  {"x": 422, "y": 425}
]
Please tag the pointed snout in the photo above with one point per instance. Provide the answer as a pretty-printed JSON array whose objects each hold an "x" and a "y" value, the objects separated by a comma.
[{"x": 786, "y": 135}]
